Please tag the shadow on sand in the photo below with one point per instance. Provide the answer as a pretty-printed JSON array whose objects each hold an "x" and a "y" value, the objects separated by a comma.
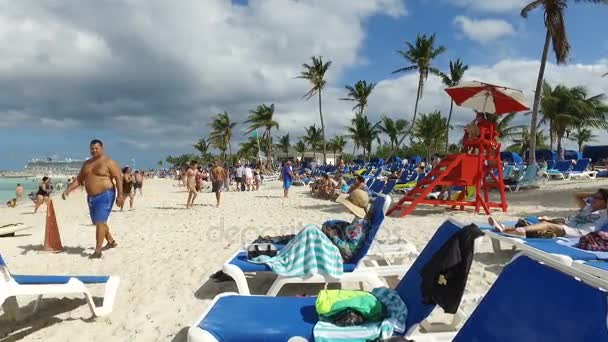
[{"x": 66, "y": 249}]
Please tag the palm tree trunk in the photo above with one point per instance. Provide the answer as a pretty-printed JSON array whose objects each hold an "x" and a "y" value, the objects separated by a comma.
[
  {"x": 551, "y": 136},
  {"x": 560, "y": 155},
  {"x": 230, "y": 151},
  {"x": 447, "y": 135},
  {"x": 413, "y": 119},
  {"x": 323, "y": 128},
  {"x": 539, "y": 84}
]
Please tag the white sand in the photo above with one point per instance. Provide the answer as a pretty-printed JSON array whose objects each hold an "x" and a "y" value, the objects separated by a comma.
[{"x": 166, "y": 253}]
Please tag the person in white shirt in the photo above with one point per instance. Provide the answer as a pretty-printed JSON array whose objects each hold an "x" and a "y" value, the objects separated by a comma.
[
  {"x": 248, "y": 177},
  {"x": 240, "y": 171},
  {"x": 591, "y": 217}
]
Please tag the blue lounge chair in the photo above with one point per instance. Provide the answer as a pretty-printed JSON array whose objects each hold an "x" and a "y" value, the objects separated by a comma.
[
  {"x": 598, "y": 268},
  {"x": 12, "y": 286},
  {"x": 355, "y": 271},
  {"x": 240, "y": 318},
  {"x": 580, "y": 170},
  {"x": 528, "y": 179},
  {"x": 560, "y": 168},
  {"x": 552, "y": 303}
]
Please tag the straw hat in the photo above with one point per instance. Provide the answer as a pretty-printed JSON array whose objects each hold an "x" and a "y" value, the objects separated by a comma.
[{"x": 356, "y": 202}]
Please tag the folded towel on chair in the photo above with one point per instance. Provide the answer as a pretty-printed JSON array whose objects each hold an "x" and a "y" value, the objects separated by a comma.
[{"x": 309, "y": 252}]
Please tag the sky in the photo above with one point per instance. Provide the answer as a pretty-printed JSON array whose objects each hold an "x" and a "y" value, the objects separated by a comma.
[{"x": 147, "y": 77}]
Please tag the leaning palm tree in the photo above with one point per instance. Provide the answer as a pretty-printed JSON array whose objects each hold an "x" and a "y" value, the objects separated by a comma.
[
  {"x": 300, "y": 147},
  {"x": 420, "y": 57},
  {"x": 315, "y": 74},
  {"x": 314, "y": 139},
  {"x": 393, "y": 129},
  {"x": 284, "y": 144},
  {"x": 430, "y": 130},
  {"x": 555, "y": 24},
  {"x": 359, "y": 93},
  {"x": 457, "y": 70},
  {"x": 582, "y": 136},
  {"x": 221, "y": 133},
  {"x": 262, "y": 117},
  {"x": 338, "y": 143}
]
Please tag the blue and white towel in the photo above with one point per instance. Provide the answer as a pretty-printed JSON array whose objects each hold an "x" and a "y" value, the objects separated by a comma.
[
  {"x": 309, "y": 252},
  {"x": 394, "y": 322}
]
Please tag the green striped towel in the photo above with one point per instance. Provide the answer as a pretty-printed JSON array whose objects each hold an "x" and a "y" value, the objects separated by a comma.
[{"x": 310, "y": 252}]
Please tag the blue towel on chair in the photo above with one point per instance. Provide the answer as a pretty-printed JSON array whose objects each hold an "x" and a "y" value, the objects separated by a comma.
[{"x": 310, "y": 252}]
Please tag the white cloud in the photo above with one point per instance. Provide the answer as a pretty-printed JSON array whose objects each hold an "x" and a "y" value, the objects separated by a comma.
[
  {"x": 491, "y": 5},
  {"x": 483, "y": 30}
]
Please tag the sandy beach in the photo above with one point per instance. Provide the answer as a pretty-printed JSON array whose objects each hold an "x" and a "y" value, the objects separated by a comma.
[{"x": 166, "y": 253}]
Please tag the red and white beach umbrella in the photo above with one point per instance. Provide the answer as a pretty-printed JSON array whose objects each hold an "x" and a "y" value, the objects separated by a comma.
[{"x": 487, "y": 98}]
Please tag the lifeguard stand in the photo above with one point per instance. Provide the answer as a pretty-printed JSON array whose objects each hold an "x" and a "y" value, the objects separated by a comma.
[{"x": 480, "y": 167}]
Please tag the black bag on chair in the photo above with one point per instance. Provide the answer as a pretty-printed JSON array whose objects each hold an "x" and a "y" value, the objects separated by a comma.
[{"x": 256, "y": 249}]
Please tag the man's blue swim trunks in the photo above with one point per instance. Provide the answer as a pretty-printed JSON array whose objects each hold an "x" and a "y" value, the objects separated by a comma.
[{"x": 100, "y": 205}]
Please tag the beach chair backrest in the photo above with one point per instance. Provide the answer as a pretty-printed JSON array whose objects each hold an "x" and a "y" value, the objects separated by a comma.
[
  {"x": 550, "y": 164},
  {"x": 531, "y": 301},
  {"x": 409, "y": 287},
  {"x": 581, "y": 165},
  {"x": 375, "y": 224},
  {"x": 369, "y": 182},
  {"x": 563, "y": 165},
  {"x": 404, "y": 177},
  {"x": 5, "y": 275},
  {"x": 377, "y": 186},
  {"x": 529, "y": 174},
  {"x": 389, "y": 186}
]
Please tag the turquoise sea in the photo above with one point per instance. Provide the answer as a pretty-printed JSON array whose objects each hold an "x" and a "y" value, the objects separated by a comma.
[{"x": 7, "y": 187}]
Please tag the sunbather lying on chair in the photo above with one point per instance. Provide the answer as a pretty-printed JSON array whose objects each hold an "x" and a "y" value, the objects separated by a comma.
[{"x": 591, "y": 217}]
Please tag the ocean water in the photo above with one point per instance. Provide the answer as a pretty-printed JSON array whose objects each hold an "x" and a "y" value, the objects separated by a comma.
[{"x": 7, "y": 187}]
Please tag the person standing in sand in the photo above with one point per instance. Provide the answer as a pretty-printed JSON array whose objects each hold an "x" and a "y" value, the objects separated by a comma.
[
  {"x": 127, "y": 187},
  {"x": 191, "y": 174},
  {"x": 138, "y": 183},
  {"x": 287, "y": 178},
  {"x": 218, "y": 178},
  {"x": 103, "y": 182},
  {"x": 19, "y": 192}
]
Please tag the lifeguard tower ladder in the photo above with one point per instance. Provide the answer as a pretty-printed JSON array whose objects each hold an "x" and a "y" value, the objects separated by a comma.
[{"x": 479, "y": 167}]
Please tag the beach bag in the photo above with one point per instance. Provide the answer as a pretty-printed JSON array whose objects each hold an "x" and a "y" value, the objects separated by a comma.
[
  {"x": 596, "y": 241},
  {"x": 258, "y": 249},
  {"x": 348, "y": 307}
]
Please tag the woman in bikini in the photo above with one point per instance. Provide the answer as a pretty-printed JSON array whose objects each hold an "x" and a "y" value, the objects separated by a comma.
[
  {"x": 127, "y": 187},
  {"x": 43, "y": 194}
]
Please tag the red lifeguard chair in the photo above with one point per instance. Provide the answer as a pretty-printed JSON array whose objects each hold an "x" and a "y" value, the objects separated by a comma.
[{"x": 480, "y": 166}]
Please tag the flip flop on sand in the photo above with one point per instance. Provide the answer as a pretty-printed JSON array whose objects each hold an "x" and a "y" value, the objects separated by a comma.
[{"x": 495, "y": 223}]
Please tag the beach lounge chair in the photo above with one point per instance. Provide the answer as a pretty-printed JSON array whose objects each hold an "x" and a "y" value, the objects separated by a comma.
[
  {"x": 12, "y": 286},
  {"x": 598, "y": 268},
  {"x": 528, "y": 179},
  {"x": 580, "y": 170},
  {"x": 560, "y": 168},
  {"x": 232, "y": 317},
  {"x": 355, "y": 271},
  {"x": 553, "y": 302}
]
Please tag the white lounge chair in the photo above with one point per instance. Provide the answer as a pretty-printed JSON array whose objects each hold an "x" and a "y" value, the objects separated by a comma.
[
  {"x": 365, "y": 268},
  {"x": 12, "y": 286},
  {"x": 580, "y": 171}
]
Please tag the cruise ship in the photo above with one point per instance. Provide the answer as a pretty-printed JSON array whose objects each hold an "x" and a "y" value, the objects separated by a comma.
[{"x": 54, "y": 165}]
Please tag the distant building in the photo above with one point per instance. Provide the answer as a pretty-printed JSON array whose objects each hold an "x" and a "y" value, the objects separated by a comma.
[{"x": 309, "y": 156}]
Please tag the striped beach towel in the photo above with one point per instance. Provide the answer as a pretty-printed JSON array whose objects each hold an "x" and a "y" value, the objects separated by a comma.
[
  {"x": 394, "y": 322},
  {"x": 309, "y": 252}
]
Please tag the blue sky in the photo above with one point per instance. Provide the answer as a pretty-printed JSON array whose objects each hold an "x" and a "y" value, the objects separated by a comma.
[{"x": 149, "y": 81}]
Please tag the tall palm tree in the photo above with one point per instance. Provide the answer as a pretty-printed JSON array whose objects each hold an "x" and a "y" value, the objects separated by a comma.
[
  {"x": 430, "y": 130},
  {"x": 300, "y": 147},
  {"x": 582, "y": 136},
  {"x": 555, "y": 24},
  {"x": 393, "y": 129},
  {"x": 338, "y": 143},
  {"x": 284, "y": 144},
  {"x": 202, "y": 146},
  {"x": 521, "y": 144},
  {"x": 363, "y": 133},
  {"x": 221, "y": 133},
  {"x": 315, "y": 74},
  {"x": 262, "y": 117},
  {"x": 359, "y": 93},
  {"x": 420, "y": 56},
  {"x": 457, "y": 70},
  {"x": 314, "y": 139}
]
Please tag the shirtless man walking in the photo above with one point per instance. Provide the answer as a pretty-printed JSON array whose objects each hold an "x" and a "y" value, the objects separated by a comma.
[
  {"x": 218, "y": 178},
  {"x": 191, "y": 174},
  {"x": 102, "y": 180}
]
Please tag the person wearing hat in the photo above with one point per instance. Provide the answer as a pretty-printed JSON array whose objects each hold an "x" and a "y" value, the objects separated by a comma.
[{"x": 357, "y": 202}]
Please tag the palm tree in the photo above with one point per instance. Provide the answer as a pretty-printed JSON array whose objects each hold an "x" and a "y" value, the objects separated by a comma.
[
  {"x": 430, "y": 130},
  {"x": 521, "y": 144},
  {"x": 504, "y": 127},
  {"x": 363, "y": 133},
  {"x": 420, "y": 57},
  {"x": 338, "y": 143},
  {"x": 313, "y": 138},
  {"x": 248, "y": 149},
  {"x": 202, "y": 146},
  {"x": 300, "y": 147},
  {"x": 315, "y": 74},
  {"x": 159, "y": 163},
  {"x": 221, "y": 133},
  {"x": 262, "y": 117},
  {"x": 457, "y": 70},
  {"x": 393, "y": 128},
  {"x": 284, "y": 144},
  {"x": 359, "y": 93},
  {"x": 582, "y": 136},
  {"x": 555, "y": 24}
]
